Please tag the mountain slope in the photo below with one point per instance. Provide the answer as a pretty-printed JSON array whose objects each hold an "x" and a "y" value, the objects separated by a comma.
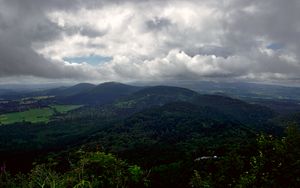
[
  {"x": 147, "y": 98},
  {"x": 250, "y": 114},
  {"x": 76, "y": 89},
  {"x": 169, "y": 130},
  {"x": 156, "y": 96},
  {"x": 159, "y": 95},
  {"x": 101, "y": 94},
  {"x": 64, "y": 91}
]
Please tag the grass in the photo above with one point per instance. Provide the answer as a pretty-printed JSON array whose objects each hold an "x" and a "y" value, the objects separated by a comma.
[
  {"x": 36, "y": 115},
  {"x": 125, "y": 104},
  {"x": 65, "y": 108},
  {"x": 32, "y": 115}
]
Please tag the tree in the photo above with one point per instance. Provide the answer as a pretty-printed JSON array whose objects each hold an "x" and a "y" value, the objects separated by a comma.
[{"x": 277, "y": 163}]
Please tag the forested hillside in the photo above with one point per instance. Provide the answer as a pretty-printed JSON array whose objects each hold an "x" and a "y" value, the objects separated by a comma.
[{"x": 157, "y": 136}]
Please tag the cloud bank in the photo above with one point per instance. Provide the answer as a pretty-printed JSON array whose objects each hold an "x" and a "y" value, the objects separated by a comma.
[{"x": 248, "y": 40}]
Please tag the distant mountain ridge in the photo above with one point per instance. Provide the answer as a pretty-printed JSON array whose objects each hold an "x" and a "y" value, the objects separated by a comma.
[
  {"x": 242, "y": 90},
  {"x": 69, "y": 91},
  {"x": 100, "y": 94},
  {"x": 126, "y": 99},
  {"x": 123, "y": 97}
]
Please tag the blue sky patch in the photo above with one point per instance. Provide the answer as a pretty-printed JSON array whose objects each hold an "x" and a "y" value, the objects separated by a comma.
[
  {"x": 93, "y": 59},
  {"x": 275, "y": 46}
]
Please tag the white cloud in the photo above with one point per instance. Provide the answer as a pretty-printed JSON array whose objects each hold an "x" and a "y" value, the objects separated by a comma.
[
  {"x": 159, "y": 40},
  {"x": 125, "y": 30}
]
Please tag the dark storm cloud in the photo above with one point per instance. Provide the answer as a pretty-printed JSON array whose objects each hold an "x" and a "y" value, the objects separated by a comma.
[
  {"x": 83, "y": 30},
  {"x": 158, "y": 23},
  {"x": 24, "y": 22},
  {"x": 210, "y": 50},
  {"x": 90, "y": 32},
  {"x": 250, "y": 23},
  {"x": 276, "y": 20}
]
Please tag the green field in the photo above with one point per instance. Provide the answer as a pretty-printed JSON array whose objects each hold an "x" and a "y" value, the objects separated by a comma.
[
  {"x": 65, "y": 108},
  {"x": 36, "y": 115}
]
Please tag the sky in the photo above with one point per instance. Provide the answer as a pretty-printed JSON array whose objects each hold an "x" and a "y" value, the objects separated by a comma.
[{"x": 142, "y": 40}]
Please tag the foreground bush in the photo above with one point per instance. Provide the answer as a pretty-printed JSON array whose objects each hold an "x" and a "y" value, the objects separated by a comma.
[{"x": 93, "y": 169}]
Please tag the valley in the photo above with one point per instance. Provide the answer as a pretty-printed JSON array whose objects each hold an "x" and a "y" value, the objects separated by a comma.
[
  {"x": 36, "y": 109},
  {"x": 160, "y": 131}
]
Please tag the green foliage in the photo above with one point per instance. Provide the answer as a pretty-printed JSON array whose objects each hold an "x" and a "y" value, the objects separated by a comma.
[
  {"x": 277, "y": 162},
  {"x": 64, "y": 108},
  {"x": 272, "y": 162},
  {"x": 42, "y": 176},
  {"x": 136, "y": 173},
  {"x": 198, "y": 182},
  {"x": 94, "y": 169}
]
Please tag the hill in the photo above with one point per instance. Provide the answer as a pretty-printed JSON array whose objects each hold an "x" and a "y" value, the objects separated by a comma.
[
  {"x": 248, "y": 114},
  {"x": 170, "y": 126},
  {"x": 243, "y": 112},
  {"x": 149, "y": 97},
  {"x": 100, "y": 94},
  {"x": 66, "y": 91},
  {"x": 161, "y": 136}
]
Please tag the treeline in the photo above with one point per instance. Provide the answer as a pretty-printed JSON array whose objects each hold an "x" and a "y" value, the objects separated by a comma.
[{"x": 269, "y": 162}]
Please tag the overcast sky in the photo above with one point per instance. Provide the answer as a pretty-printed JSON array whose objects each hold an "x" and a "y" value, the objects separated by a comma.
[{"x": 140, "y": 40}]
